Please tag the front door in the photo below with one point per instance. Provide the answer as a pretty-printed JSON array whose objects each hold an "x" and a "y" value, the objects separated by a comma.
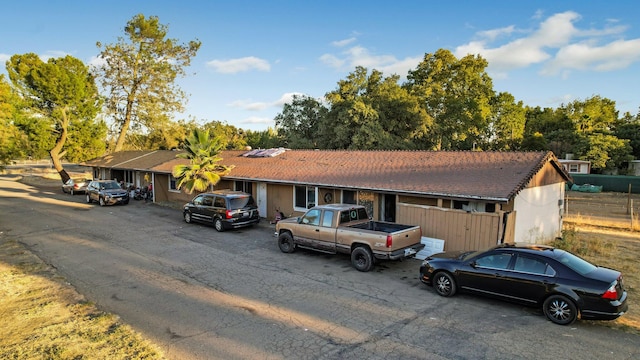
[{"x": 261, "y": 198}]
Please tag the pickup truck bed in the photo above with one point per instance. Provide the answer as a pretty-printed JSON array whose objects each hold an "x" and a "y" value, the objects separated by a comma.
[{"x": 346, "y": 228}]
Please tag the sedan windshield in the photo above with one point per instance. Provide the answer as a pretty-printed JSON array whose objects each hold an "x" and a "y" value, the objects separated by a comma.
[{"x": 575, "y": 263}]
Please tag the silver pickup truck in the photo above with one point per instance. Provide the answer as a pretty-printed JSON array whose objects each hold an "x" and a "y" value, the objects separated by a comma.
[{"x": 346, "y": 228}]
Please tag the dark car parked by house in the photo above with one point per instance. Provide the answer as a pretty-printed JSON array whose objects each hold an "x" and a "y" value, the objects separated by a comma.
[
  {"x": 75, "y": 186},
  {"x": 226, "y": 209},
  {"x": 106, "y": 192},
  {"x": 565, "y": 285}
]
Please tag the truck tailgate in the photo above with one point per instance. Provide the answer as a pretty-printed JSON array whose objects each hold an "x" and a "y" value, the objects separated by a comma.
[{"x": 405, "y": 238}]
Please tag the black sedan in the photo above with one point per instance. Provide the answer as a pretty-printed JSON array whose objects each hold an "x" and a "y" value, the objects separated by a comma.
[{"x": 564, "y": 284}]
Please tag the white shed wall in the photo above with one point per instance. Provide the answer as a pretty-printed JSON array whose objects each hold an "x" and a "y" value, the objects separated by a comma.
[{"x": 539, "y": 213}]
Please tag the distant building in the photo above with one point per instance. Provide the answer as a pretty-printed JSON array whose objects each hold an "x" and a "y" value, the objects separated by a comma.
[
  {"x": 575, "y": 166},
  {"x": 634, "y": 167}
]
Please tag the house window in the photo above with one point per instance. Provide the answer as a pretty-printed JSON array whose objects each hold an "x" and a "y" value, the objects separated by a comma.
[
  {"x": 460, "y": 204},
  {"x": 245, "y": 186},
  {"x": 574, "y": 168},
  {"x": 349, "y": 197},
  {"x": 304, "y": 197},
  {"x": 173, "y": 183}
]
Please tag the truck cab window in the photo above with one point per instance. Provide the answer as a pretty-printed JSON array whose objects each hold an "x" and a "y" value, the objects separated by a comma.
[
  {"x": 327, "y": 219},
  {"x": 312, "y": 217}
]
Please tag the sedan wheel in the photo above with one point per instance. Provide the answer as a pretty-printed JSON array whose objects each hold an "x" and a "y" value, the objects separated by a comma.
[
  {"x": 560, "y": 310},
  {"x": 88, "y": 199},
  {"x": 218, "y": 224},
  {"x": 71, "y": 192},
  {"x": 444, "y": 284},
  {"x": 102, "y": 203},
  {"x": 187, "y": 217}
]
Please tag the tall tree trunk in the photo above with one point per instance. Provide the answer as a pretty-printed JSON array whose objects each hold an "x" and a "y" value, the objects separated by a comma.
[
  {"x": 55, "y": 152},
  {"x": 127, "y": 120}
]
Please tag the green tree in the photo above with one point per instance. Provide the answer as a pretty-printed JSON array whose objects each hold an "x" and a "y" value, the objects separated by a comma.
[
  {"x": 506, "y": 127},
  {"x": 264, "y": 139},
  {"x": 86, "y": 140},
  {"x": 629, "y": 128},
  {"x": 456, "y": 94},
  {"x": 11, "y": 140},
  {"x": 369, "y": 111},
  {"x": 139, "y": 76},
  {"x": 203, "y": 169},
  {"x": 534, "y": 142},
  {"x": 61, "y": 90},
  {"x": 232, "y": 138},
  {"x": 593, "y": 114},
  {"x": 606, "y": 152},
  {"x": 299, "y": 122},
  {"x": 554, "y": 125}
]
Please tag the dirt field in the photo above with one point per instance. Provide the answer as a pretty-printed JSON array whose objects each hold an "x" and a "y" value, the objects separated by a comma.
[{"x": 608, "y": 209}]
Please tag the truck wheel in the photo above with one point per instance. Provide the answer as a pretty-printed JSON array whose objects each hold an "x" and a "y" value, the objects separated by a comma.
[
  {"x": 285, "y": 243},
  {"x": 362, "y": 258}
]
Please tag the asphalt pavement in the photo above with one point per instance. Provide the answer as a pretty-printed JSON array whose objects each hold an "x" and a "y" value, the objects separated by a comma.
[{"x": 200, "y": 294}]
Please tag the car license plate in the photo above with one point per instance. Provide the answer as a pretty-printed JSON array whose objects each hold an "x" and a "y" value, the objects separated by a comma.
[{"x": 409, "y": 252}]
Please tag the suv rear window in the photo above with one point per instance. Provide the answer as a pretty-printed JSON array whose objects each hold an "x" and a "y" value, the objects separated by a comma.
[{"x": 241, "y": 202}]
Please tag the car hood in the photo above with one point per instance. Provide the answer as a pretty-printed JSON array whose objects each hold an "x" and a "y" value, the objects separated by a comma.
[
  {"x": 114, "y": 191},
  {"x": 449, "y": 255},
  {"x": 292, "y": 220}
]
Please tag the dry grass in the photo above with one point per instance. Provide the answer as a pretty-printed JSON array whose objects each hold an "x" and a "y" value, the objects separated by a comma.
[
  {"x": 45, "y": 318},
  {"x": 614, "y": 249}
]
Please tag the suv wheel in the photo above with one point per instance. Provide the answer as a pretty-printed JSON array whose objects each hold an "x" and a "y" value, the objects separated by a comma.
[{"x": 218, "y": 224}]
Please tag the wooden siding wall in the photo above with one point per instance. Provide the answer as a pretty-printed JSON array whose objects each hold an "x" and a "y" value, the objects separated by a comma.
[{"x": 460, "y": 230}]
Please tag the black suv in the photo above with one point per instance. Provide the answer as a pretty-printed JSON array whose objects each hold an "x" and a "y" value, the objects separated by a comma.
[
  {"x": 106, "y": 192},
  {"x": 226, "y": 209}
]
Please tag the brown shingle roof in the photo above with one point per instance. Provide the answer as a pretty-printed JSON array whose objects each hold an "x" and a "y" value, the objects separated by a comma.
[{"x": 456, "y": 174}]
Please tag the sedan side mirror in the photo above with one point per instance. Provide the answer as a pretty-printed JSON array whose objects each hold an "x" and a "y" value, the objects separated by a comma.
[{"x": 473, "y": 264}]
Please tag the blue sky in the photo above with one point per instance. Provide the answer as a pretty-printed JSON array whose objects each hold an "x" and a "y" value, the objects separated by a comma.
[{"x": 256, "y": 54}]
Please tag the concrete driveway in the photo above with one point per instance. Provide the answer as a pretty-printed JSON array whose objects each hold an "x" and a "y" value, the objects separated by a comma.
[{"x": 201, "y": 294}]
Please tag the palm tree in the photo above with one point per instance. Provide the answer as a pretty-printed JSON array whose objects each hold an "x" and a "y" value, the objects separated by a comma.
[{"x": 203, "y": 169}]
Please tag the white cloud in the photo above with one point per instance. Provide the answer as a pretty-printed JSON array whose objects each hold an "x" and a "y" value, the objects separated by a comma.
[
  {"x": 248, "y": 105},
  {"x": 359, "y": 56},
  {"x": 257, "y": 120},
  {"x": 558, "y": 45},
  {"x": 332, "y": 60},
  {"x": 4, "y": 58},
  {"x": 585, "y": 56},
  {"x": 286, "y": 98},
  {"x": 258, "y": 106},
  {"x": 343, "y": 43},
  {"x": 239, "y": 65},
  {"x": 97, "y": 62},
  {"x": 495, "y": 33}
]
